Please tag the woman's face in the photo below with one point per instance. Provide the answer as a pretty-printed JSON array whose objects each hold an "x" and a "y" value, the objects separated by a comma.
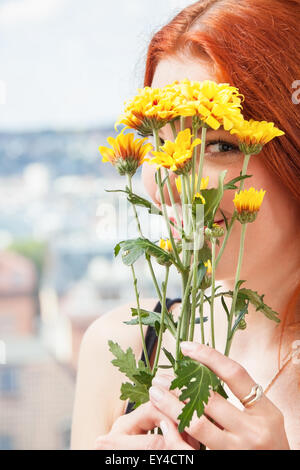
[{"x": 277, "y": 219}]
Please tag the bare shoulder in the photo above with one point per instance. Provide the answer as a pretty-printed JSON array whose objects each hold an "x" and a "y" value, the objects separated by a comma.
[
  {"x": 97, "y": 398},
  {"x": 111, "y": 326},
  {"x": 286, "y": 389}
]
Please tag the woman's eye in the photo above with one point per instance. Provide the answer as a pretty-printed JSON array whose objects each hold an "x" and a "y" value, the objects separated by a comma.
[{"x": 221, "y": 147}]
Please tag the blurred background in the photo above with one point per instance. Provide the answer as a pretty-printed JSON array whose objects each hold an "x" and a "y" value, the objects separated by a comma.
[{"x": 67, "y": 66}]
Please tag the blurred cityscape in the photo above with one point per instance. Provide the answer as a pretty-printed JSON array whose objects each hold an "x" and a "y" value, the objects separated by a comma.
[{"x": 58, "y": 228}]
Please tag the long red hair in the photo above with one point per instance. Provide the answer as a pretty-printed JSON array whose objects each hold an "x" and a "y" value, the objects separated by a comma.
[{"x": 255, "y": 46}]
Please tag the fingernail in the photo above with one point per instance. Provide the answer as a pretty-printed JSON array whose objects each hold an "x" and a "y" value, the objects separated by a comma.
[
  {"x": 187, "y": 346},
  {"x": 156, "y": 393},
  {"x": 162, "y": 381},
  {"x": 164, "y": 427}
]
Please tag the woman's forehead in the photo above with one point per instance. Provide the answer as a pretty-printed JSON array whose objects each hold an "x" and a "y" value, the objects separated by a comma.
[{"x": 180, "y": 67}]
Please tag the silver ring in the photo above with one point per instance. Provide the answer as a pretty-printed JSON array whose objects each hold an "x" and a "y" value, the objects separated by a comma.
[{"x": 255, "y": 394}]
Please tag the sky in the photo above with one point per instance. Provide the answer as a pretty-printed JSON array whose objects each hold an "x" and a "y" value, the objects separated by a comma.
[{"x": 72, "y": 63}]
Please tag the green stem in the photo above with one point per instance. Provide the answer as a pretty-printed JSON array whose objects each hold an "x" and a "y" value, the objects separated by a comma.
[
  {"x": 195, "y": 133},
  {"x": 182, "y": 121},
  {"x": 194, "y": 292},
  {"x": 154, "y": 278},
  {"x": 140, "y": 319},
  {"x": 201, "y": 316},
  {"x": 185, "y": 222},
  {"x": 172, "y": 124},
  {"x": 224, "y": 243},
  {"x": 202, "y": 152},
  {"x": 212, "y": 298},
  {"x": 129, "y": 179},
  {"x": 197, "y": 234},
  {"x": 244, "y": 171},
  {"x": 235, "y": 292},
  {"x": 163, "y": 204},
  {"x": 162, "y": 320},
  {"x": 183, "y": 314},
  {"x": 188, "y": 188},
  {"x": 172, "y": 199}
]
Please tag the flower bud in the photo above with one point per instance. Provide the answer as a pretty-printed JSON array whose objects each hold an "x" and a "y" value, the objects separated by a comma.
[{"x": 242, "y": 324}]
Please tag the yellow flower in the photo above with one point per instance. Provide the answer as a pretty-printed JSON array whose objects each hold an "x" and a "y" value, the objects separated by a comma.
[
  {"x": 208, "y": 266},
  {"x": 165, "y": 244},
  {"x": 176, "y": 156},
  {"x": 253, "y": 135},
  {"x": 199, "y": 196},
  {"x": 210, "y": 103},
  {"x": 247, "y": 204},
  {"x": 204, "y": 183},
  {"x": 126, "y": 153},
  {"x": 150, "y": 109}
]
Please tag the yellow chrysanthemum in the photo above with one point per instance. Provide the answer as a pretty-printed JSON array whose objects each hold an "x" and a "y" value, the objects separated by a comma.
[
  {"x": 247, "y": 204},
  {"x": 208, "y": 266},
  {"x": 253, "y": 135},
  {"x": 126, "y": 153},
  {"x": 204, "y": 183},
  {"x": 165, "y": 244},
  {"x": 210, "y": 103},
  {"x": 176, "y": 156},
  {"x": 151, "y": 109},
  {"x": 199, "y": 196}
]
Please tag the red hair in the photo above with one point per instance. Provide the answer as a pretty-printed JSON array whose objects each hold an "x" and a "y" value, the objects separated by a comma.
[{"x": 255, "y": 46}]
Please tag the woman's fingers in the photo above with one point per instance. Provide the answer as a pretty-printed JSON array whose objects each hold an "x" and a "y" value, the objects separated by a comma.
[
  {"x": 173, "y": 439},
  {"x": 200, "y": 429},
  {"x": 141, "y": 420},
  {"x": 217, "y": 408},
  {"x": 231, "y": 372}
]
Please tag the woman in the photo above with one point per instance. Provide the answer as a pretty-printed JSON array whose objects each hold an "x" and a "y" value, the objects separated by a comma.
[{"x": 254, "y": 45}]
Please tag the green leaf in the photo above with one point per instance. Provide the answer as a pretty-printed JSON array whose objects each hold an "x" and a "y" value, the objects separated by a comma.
[
  {"x": 240, "y": 315},
  {"x": 213, "y": 198},
  {"x": 197, "y": 320},
  {"x": 151, "y": 318},
  {"x": 198, "y": 380},
  {"x": 239, "y": 283},
  {"x": 225, "y": 307},
  {"x": 204, "y": 253},
  {"x": 200, "y": 273},
  {"x": 257, "y": 300},
  {"x": 137, "y": 394},
  {"x": 170, "y": 357},
  {"x": 140, "y": 375},
  {"x": 125, "y": 361},
  {"x": 225, "y": 219},
  {"x": 231, "y": 183},
  {"x": 137, "y": 200},
  {"x": 134, "y": 248},
  {"x": 143, "y": 377}
]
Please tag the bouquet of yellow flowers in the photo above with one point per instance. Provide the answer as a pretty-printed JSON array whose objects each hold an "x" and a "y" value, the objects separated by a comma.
[{"x": 210, "y": 105}]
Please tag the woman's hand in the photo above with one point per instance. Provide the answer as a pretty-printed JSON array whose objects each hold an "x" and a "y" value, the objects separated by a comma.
[
  {"x": 130, "y": 432},
  {"x": 260, "y": 426}
]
